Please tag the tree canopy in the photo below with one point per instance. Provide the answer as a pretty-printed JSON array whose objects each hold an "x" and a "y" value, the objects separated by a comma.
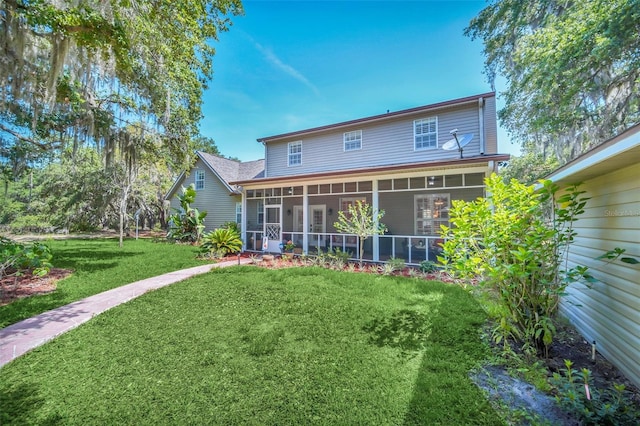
[
  {"x": 572, "y": 69},
  {"x": 87, "y": 70}
]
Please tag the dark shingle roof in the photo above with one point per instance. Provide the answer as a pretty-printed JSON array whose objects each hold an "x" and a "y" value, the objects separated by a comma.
[{"x": 233, "y": 170}]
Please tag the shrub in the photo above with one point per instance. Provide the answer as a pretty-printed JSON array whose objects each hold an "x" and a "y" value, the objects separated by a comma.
[
  {"x": 428, "y": 266},
  {"x": 516, "y": 240},
  {"x": 221, "y": 242},
  {"x": 187, "y": 224},
  {"x": 577, "y": 395},
  {"x": 15, "y": 258}
]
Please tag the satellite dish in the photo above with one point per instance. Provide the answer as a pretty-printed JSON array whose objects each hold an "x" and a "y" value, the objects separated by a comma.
[{"x": 456, "y": 143}]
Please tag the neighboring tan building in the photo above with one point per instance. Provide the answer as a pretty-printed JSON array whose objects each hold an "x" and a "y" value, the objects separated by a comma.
[{"x": 608, "y": 312}]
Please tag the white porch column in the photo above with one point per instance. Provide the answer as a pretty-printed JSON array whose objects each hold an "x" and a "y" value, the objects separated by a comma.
[
  {"x": 243, "y": 221},
  {"x": 305, "y": 219},
  {"x": 376, "y": 208}
]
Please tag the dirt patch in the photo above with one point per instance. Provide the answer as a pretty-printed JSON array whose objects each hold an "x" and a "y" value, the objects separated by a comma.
[{"x": 27, "y": 284}]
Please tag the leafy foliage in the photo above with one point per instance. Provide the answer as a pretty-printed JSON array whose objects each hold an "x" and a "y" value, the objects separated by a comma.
[
  {"x": 576, "y": 394},
  {"x": 510, "y": 241},
  {"x": 221, "y": 241},
  {"x": 187, "y": 223},
  {"x": 529, "y": 167},
  {"x": 571, "y": 69},
  {"x": 16, "y": 258},
  {"x": 362, "y": 221},
  {"x": 88, "y": 64}
]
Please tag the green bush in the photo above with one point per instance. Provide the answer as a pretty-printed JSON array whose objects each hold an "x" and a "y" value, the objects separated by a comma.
[
  {"x": 428, "y": 266},
  {"x": 187, "y": 224},
  {"x": 220, "y": 242},
  {"x": 576, "y": 394},
  {"x": 16, "y": 258},
  {"x": 516, "y": 240}
]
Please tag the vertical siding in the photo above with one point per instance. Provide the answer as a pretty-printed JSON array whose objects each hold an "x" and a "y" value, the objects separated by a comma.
[
  {"x": 490, "y": 126},
  {"x": 609, "y": 312},
  {"x": 385, "y": 143},
  {"x": 214, "y": 198}
]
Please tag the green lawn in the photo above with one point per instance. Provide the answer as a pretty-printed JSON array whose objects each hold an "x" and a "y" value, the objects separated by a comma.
[
  {"x": 246, "y": 345},
  {"x": 100, "y": 265}
]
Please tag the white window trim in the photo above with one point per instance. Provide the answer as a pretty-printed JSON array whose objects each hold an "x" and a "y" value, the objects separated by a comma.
[
  {"x": 199, "y": 181},
  {"x": 238, "y": 211},
  {"x": 346, "y": 139},
  {"x": 297, "y": 154},
  {"x": 415, "y": 122},
  {"x": 434, "y": 220},
  {"x": 260, "y": 211}
]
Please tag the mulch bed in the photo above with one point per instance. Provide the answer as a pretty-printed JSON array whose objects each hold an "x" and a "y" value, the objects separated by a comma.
[{"x": 18, "y": 286}]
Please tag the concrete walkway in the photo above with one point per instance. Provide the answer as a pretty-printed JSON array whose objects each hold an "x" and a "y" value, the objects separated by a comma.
[{"x": 23, "y": 336}]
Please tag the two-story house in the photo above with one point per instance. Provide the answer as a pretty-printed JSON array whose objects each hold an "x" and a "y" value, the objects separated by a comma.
[{"x": 399, "y": 162}]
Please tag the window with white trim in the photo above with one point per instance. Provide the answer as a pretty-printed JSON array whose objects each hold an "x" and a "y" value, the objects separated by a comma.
[
  {"x": 295, "y": 153},
  {"x": 199, "y": 179},
  {"x": 345, "y": 202},
  {"x": 425, "y": 133},
  {"x": 260, "y": 213},
  {"x": 431, "y": 211},
  {"x": 238, "y": 212},
  {"x": 352, "y": 140}
]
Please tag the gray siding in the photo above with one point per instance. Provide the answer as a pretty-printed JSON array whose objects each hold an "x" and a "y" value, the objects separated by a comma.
[
  {"x": 490, "y": 126},
  {"x": 384, "y": 143},
  {"x": 214, "y": 198},
  {"x": 609, "y": 312},
  {"x": 398, "y": 206}
]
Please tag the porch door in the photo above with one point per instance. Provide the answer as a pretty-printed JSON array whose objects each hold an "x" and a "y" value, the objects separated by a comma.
[
  {"x": 272, "y": 227},
  {"x": 317, "y": 225}
]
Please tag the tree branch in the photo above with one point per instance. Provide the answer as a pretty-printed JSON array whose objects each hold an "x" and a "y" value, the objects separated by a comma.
[{"x": 40, "y": 145}]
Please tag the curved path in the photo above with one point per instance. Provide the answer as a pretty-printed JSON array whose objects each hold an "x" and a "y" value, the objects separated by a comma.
[{"x": 23, "y": 336}]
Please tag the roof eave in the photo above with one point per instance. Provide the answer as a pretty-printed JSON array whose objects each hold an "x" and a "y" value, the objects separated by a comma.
[
  {"x": 380, "y": 117},
  {"x": 378, "y": 169}
]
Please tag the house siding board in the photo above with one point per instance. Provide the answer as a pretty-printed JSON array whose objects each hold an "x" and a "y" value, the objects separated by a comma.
[
  {"x": 214, "y": 198},
  {"x": 398, "y": 206},
  {"x": 383, "y": 144},
  {"x": 609, "y": 312},
  {"x": 490, "y": 126}
]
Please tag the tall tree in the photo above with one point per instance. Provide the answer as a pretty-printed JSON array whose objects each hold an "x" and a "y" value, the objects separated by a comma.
[
  {"x": 572, "y": 69},
  {"x": 84, "y": 70}
]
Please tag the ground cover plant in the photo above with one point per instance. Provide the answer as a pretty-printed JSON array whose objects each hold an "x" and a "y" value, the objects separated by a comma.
[
  {"x": 247, "y": 345},
  {"x": 99, "y": 265}
]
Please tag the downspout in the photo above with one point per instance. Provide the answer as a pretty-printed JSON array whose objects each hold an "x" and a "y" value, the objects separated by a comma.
[
  {"x": 481, "y": 123},
  {"x": 264, "y": 144}
]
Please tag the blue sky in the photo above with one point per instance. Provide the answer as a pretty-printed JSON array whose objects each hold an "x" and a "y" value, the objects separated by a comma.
[{"x": 292, "y": 65}]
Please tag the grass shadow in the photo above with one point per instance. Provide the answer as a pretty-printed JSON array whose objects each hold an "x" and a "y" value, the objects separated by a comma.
[
  {"x": 443, "y": 392},
  {"x": 20, "y": 403}
]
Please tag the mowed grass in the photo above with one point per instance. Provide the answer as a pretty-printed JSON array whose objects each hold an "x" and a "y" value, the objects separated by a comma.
[
  {"x": 100, "y": 265},
  {"x": 246, "y": 345}
]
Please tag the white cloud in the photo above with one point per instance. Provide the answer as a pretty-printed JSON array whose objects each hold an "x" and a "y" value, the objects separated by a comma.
[{"x": 286, "y": 68}]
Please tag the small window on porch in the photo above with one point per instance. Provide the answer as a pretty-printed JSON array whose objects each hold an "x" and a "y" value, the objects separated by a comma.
[
  {"x": 260, "y": 213},
  {"x": 431, "y": 211},
  {"x": 345, "y": 202}
]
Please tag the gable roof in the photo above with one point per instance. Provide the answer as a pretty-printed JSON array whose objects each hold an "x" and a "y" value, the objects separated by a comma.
[
  {"x": 226, "y": 170},
  {"x": 380, "y": 117}
]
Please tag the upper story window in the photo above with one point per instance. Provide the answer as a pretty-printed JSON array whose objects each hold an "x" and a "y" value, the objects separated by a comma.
[
  {"x": 353, "y": 140},
  {"x": 199, "y": 179},
  {"x": 425, "y": 133},
  {"x": 295, "y": 153}
]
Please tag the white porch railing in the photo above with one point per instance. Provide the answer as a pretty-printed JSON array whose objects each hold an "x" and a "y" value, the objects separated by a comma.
[{"x": 412, "y": 248}]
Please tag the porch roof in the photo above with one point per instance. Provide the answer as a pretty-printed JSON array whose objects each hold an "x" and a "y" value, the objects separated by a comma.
[{"x": 404, "y": 167}]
